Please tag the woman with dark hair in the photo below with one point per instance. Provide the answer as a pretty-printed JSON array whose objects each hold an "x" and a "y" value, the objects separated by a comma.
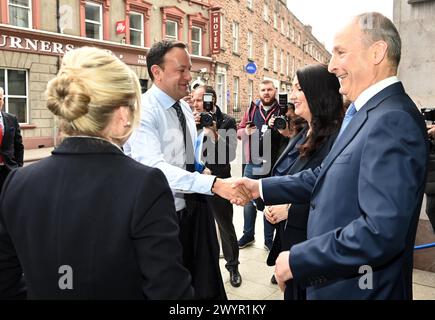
[{"x": 316, "y": 99}]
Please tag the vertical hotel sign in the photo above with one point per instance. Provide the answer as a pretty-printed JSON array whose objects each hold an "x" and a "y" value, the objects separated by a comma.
[{"x": 215, "y": 32}]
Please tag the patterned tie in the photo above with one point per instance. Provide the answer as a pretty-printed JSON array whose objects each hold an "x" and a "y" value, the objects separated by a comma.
[
  {"x": 347, "y": 117},
  {"x": 186, "y": 136}
]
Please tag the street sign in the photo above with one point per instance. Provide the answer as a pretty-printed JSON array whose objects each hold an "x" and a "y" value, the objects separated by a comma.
[{"x": 251, "y": 68}]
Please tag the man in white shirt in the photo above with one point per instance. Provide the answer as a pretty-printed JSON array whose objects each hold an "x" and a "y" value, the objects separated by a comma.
[{"x": 161, "y": 143}]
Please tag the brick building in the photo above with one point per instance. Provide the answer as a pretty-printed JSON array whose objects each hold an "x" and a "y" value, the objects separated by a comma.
[
  {"x": 264, "y": 33},
  {"x": 34, "y": 35}
]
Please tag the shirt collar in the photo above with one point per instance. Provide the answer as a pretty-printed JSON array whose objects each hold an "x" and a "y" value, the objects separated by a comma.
[
  {"x": 373, "y": 90},
  {"x": 165, "y": 100}
]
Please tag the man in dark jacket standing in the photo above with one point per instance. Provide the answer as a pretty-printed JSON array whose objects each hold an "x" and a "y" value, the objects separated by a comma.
[
  {"x": 11, "y": 142},
  {"x": 220, "y": 144}
]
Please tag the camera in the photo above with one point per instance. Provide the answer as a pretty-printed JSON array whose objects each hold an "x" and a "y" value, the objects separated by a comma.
[
  {"x": 429, "y": 114},
  {"x": 281, "y": 120},
  {"x": 206, "y": 117}
]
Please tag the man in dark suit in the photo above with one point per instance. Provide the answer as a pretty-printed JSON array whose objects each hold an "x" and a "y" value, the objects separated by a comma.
[
  {"x": 220, "y": 144},
  {"x": 366, "y": 196},
  {"x": 11, "y": 142}
]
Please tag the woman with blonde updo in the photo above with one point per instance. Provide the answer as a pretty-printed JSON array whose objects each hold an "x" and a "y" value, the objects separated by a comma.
[{"x": 89, "y": 222}]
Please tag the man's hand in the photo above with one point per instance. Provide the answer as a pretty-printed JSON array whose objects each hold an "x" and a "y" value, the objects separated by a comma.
[
  {"x": 282, "y": 269},
  {"x": 253, "y": 186},
  {"x": 250, "y": 129},
  {"x": 275, "y": 214},
  {"x": 236, "y": 194},
  {"x": 196, "y": 117},
  {"x": 431, "y": 131}
]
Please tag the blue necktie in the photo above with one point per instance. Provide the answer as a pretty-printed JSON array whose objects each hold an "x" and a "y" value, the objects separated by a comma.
[{"x": 347, "y": 117}]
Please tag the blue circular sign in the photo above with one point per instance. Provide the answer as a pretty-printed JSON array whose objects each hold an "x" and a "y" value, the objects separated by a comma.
[{"x": 251, "y": 68}]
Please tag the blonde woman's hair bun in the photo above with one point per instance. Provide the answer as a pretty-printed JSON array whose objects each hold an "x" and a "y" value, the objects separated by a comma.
[{"x": 67, "y": 97}]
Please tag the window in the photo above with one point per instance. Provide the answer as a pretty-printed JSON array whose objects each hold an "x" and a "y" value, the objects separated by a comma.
[
  {"x": 93, "y": 21},
  {"x": 250, "y": 44},
  {"x": 236, "y": 94},
  {"x": 14, "y": 83},
  {"x": 287, "y": 65},
  {"x": 235, "y": 37},
  {"x": 275, "y": 20},
  {"x": 266, "y": 12},
  {"x": 282, "y": 26},
  {"x": 250, "y": 90},
  {"x": 20, "y": 13},
  {"x": 275, "y": 59},
  {"x": 196, "y": 41},
  {"x": 250, "y": 3},
  {"x": 281, "y": 61},
  {"x": 293, "y": 69},
  {"x": 171, "y": 30},
  {"x": 220, "y": 91},
  {"x": 136, "y": 29},
  {"x": 265, "y": 54}
]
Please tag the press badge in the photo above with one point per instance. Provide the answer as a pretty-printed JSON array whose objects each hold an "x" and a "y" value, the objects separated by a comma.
[{"x": 264, "y": 128}]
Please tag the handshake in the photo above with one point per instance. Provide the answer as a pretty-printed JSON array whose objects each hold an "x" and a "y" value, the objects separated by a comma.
[{"x": 238, "y": 191}]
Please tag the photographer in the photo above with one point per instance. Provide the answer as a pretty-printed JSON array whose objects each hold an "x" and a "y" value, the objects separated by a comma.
[
  {"x": 430, "y": 182},
  {"x": 221, "y": 130}
]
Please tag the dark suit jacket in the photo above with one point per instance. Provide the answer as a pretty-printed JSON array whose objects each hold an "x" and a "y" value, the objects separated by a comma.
[
  {"x": 12, "y": 148},
  {"x": 221, "y": 166},
  {"x": 365, "y": 204},
  {"x": 294, "y": 230},
  {"x": 90, "y": 207}
]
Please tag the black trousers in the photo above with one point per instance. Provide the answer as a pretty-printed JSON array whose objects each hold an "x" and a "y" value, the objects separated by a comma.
[
  {"x": 3, "y": 175},
  {"x": 430, "y": 209},
  {"x": 222, "y": 211}
]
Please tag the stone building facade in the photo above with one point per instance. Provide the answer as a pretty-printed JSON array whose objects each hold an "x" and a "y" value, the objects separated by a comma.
[{"x": 34, "y": 35}]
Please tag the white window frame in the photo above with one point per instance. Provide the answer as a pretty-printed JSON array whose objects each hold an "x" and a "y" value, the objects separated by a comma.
[
  {"x": 266, "y": 12},
  {"x": 141, "y": 31},
  {"x": 236, "y": 84},
  {"x": 220, "y": 91},
  {"x": 266, "y": 54},
  {"x": 99, "y": 23},
  {"x": 275, "y": 20},
  {"x": 275, "y": 59},
  {"x": 7, "y": 96},
  {"x": 281, "y": 61},
  {"x": 250, "y": 44},
  {"x": 287, "y": 65},
  {"x": 199, "y": 42},
  {"x": 171, "y": 37},
  {"x": 29, "y": 12},
  {"x": 250, "y": 4},
  {"x": 235, "y": 38}
]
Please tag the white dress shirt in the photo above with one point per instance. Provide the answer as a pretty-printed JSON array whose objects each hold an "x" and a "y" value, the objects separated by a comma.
[{"x": 159, "y": 143}]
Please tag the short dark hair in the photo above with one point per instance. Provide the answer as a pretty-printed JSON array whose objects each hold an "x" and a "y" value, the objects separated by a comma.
[{"x": 156, "y": 55}]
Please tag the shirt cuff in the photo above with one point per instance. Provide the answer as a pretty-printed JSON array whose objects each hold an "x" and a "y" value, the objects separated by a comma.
[{"x": 260, "y": 187}]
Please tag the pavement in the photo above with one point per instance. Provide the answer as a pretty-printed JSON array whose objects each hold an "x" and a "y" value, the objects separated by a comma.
[{"x": 255, "y": 273}]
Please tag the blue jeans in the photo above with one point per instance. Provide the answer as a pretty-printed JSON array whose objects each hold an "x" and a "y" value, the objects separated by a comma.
[{"x": 250, "y": 210}]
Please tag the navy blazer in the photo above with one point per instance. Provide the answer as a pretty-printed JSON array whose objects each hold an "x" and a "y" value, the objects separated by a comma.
[
  {"x": 365, "y": 202},
  {"x": 12, "y": 148},
  {"x": 90, "y": 207}
]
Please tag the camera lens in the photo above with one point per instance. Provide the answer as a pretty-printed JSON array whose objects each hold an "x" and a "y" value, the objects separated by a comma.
[
  {"x": 206, "y": 119},
  {"x": 280, "y": 123}
]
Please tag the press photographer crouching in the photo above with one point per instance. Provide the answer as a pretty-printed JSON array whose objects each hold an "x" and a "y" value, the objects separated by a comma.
[
  {"x": 429, "y": 116},
  {"x": 221, "y": 129}
]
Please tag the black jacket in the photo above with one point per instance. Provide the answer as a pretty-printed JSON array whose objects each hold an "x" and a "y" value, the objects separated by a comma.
[
  {"x": 221, "y": 165},
  {"x": 12, "y": 148},
  {"x": 90, "y": 207}
]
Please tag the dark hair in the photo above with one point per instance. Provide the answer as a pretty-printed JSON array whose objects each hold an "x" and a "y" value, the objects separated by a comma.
[
  {"x": 325, "y": 102},
  {"x": 208, "y": 89},
  {"x": 156, "y": 55}
]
